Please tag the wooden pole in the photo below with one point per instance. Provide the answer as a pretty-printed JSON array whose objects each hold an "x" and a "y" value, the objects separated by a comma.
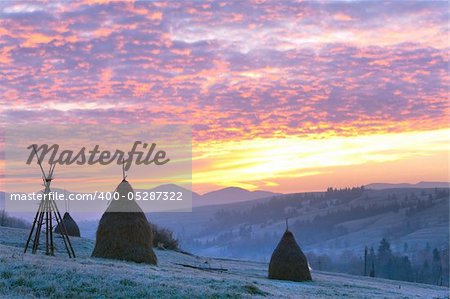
[
  {"x": 32, "y": 228},
  {"x": 38, "y": 229},
  {"x": 47, "y": 249},
  {"x": 123, "y": 169}
]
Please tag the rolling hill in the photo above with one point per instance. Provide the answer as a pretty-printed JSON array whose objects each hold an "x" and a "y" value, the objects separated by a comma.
[{"x": 325, "y": 223}]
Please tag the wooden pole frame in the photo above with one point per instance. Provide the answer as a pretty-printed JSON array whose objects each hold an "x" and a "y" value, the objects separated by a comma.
[{"x": 47, "y": 211}]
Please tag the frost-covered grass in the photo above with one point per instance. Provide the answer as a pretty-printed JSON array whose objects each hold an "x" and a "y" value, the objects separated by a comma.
[{"x": 28, "y": 275}]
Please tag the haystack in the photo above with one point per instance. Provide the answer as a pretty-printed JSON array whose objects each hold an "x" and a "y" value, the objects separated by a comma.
[
  {"x": 288, "y": 261},
  {"x": 70, "y": 225},
  {"x": 124, "y": 235}
]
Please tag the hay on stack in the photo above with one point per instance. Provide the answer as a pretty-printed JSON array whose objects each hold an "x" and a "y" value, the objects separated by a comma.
[
  {"x": 288, "y": 261},
  {"x": 124, "y": 232},
  {"x": 70, "y": 225}
]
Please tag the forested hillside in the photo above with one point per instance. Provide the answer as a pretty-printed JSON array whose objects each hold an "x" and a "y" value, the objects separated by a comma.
[{"x": 333, "y": 227}]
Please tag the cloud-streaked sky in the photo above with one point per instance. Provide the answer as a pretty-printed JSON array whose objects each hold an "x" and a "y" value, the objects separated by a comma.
[{"x": 277, "y": 92}]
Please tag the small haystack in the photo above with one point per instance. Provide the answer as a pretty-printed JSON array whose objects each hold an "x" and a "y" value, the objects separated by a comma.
[
  {"x": 70, "y": 225},
  {"x": 288, "y": 261},
  {"x": 124, "y": 235}
]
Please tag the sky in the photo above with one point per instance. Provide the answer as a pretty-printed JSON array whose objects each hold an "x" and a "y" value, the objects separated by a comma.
[{"x": 286, "y": 96}]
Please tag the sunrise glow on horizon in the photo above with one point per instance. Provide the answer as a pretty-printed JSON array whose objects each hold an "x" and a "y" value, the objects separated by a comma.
[{"x": 282, "y": 96}]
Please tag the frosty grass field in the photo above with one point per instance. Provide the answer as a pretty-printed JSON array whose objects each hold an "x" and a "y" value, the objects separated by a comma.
[{"x": 28, "y": 276}]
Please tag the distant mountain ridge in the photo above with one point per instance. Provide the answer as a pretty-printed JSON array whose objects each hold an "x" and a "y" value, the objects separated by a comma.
[
  {"x": 331, "y": 222},
  {"x": 217, "y": 197},
  {"x": 231, "y": 195},
  {"x": 381, "y": 186}
]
